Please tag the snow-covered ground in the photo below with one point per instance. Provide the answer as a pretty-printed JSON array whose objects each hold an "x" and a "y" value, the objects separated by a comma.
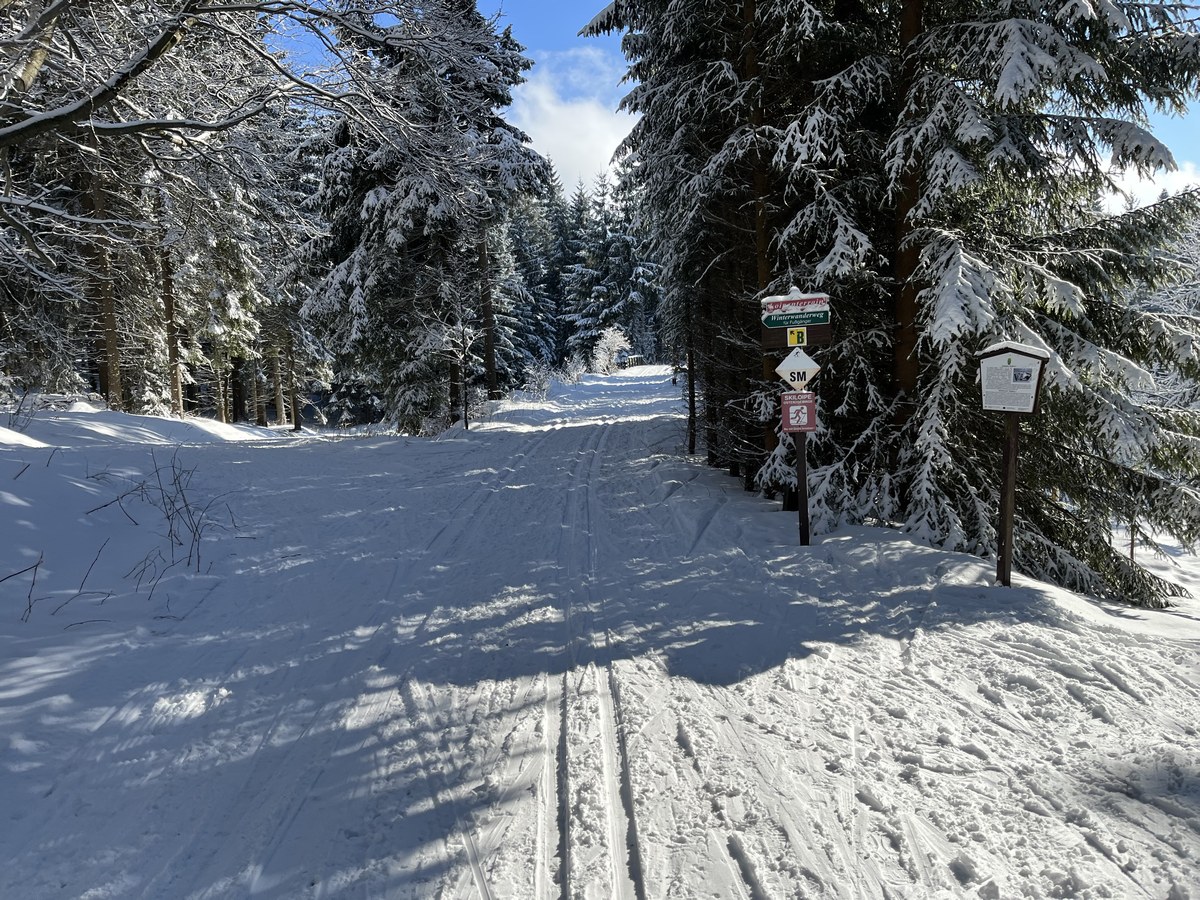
[{"x": 546, "y": 657}]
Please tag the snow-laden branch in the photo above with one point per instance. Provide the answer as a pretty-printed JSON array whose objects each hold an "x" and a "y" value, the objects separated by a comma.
[{"x": 71, "y": 114}]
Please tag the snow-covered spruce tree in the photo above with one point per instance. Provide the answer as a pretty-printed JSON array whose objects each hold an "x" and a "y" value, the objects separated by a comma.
[
  {"x": 943, "y": 168},
  {"x": 410, "y": 208},
  {"x": 569, "y": 222},
  {"x": 526, "y": 318},
  {"x": 636, "y": 275},
  {"x": 99, "y": 99},
  {"x": 536, "y": 231},
  {"x": 613, "y": 281},
  {"x": 287, "y": 358},
  {"x": 587, "y": 283},
  {"x": 558, "y": 254}
]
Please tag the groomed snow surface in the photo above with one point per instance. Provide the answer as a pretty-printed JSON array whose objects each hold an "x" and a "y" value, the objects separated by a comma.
[{"x": 549, "y": 657}]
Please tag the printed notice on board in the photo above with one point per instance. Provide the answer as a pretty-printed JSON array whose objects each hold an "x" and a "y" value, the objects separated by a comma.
[{"x": 1010, "y": 383}]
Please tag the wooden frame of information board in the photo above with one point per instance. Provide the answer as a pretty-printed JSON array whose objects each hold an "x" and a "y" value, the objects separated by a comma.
[{"x": 1010, "y": 377}]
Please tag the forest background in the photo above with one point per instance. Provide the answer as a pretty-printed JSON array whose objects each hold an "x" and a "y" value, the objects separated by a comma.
[{"x": 200, "y": 220}]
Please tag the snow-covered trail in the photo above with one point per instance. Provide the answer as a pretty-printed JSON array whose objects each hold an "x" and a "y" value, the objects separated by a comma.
[
  {"x": 391, "y": 691},
  {"x": 549, "y": 658}
]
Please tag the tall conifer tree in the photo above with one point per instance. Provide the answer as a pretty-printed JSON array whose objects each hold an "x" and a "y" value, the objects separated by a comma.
[
  {"x": 408, "y": 304},
  {"x": 937, "y": 170}
]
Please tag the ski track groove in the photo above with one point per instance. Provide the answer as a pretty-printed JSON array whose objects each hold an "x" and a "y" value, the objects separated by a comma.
[
  {"x": 551, "y": 863},
  {"x": 466, "y": 517},
  {"x": 570, "y": 662},
  {"x": 446, "y": 539},
  {"x": 725, "y": 842},
  {"x": 623, "y": 827},
  {"x": 626, "y": 879},
  {"x": 562, "y": 783}
]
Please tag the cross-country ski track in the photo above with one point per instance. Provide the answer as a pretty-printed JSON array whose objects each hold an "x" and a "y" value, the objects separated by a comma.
[{"x": 552, "y": 657}]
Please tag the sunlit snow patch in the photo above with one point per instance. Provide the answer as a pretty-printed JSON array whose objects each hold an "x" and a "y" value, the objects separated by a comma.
[{"x": 190, "y": 704}]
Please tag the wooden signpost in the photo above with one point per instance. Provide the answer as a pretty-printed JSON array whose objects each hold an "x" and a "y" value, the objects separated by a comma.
[
  {"x": 797, "y": 320},
  {"x": 799, "y": 418},
  {"x": 1010, "y": 376}
]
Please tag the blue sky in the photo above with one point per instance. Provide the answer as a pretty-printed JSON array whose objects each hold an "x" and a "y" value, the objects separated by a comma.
[{"x": 568, "y": 106}]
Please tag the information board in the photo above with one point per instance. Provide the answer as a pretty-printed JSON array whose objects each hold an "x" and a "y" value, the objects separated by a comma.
[{"x": 1010, "y": 376}]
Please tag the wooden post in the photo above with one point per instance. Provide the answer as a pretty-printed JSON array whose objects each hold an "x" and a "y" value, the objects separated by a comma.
[
  {"x": 488, "y": 307},
  {"x": 174, "y": 366},
  {"x": 1008, "y": 496},
  {"x": 294, "y": 389},
  {"x": 691, "y": 390},
  {"x": 802, "y": 485},
  {"x": 280, "y": 402}
]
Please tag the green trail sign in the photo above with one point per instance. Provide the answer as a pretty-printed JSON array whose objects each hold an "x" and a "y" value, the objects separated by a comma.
[{"x": 795, "y": 319}]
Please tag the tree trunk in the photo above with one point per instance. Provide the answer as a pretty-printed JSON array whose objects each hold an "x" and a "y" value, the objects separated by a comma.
[
  {"x": 297, "y": 422},
  {"x": 220, "y": 389},
  {"x": 734, "y": 382},
  {"x": 238, "y": 409},
  {"x": 457, "y": 409},
  {"x": 110, "y": 369},
  {"x": 489, "y": 322},
  {"x": 690, "y": 344},
  {"x": 751, "y": 73},
  {"x": 260, "y": 396},
  {"x": 172, "y": 326},
  {"x": 277, "y": 376},
  {"x": 713, "y": 402},
  {"x": 22, "y": 73},
  {"x": 907, "y": 368},
  {"x": 252, "y": 394},
  {"x": 760, "y": 178}
]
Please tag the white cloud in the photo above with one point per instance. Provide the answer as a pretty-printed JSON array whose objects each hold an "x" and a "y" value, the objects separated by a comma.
[
  {"x": 568, "y": 108},
  {"x": 1144, "y": 191}
]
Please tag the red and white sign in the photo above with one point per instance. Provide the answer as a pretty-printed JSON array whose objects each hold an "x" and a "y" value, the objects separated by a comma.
[
  {"x": 796, "y": 302},
  {"x": 799, "y": 411}
]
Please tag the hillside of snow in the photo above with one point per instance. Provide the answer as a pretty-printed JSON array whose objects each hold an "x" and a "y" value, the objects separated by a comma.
[{"x": 547, "y": 657}]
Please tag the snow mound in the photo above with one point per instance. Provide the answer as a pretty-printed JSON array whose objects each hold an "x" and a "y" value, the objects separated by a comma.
[{"x": 83, "y": 425}]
